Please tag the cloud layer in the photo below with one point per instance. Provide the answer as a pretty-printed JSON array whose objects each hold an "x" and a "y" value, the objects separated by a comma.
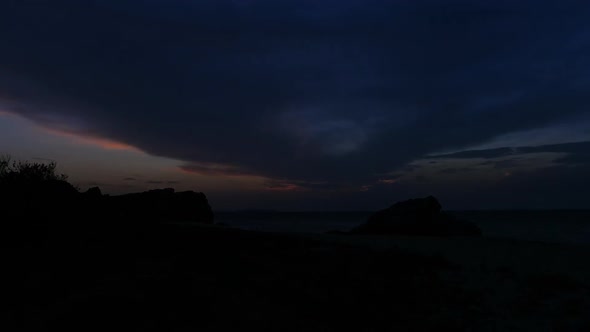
[{"x": 335, "y": 91}]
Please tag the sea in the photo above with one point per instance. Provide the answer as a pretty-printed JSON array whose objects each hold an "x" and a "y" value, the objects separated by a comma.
[{"x": 555, "y": 226}]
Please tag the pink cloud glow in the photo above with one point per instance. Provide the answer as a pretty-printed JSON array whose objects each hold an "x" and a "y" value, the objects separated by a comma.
[
  {"x": 284, "y": 187},
  {"x": 103, "y": 143}
]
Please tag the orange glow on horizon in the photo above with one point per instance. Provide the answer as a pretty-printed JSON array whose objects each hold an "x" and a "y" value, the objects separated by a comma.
[
  {"x": 214, "y": 169},
  {"x": 253, "y": 182},
  {"x": 284, "y": 187},
  {"x": 104, "y": 143}
]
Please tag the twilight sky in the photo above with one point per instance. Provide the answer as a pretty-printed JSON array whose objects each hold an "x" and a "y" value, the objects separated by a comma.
[{"x": 308, "y": 104}]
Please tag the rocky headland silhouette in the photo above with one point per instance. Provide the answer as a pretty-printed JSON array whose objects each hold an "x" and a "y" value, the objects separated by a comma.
[
  {"x": 34, "y": 194},
  {"x": 60, "y": 201}
]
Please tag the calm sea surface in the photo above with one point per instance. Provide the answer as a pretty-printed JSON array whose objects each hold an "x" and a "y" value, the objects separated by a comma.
[{"x": 563, "y": 226}]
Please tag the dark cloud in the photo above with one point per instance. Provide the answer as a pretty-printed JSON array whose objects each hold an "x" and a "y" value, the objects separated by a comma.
[
  {"x": 453, "y": 170},
  {"x": 576, "y": 149},
  {"x": 336, "y": 91},
  {"x": 536, "y": 177},
  {"x": 214, "y": 169},
  {"x": 502, "y": 164},
  {"x": 485, "y": 153},
  {"x": 129, "y": 179}
]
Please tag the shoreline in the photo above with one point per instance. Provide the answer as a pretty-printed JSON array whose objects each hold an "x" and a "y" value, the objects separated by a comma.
[{"x": 212, "y": 278}]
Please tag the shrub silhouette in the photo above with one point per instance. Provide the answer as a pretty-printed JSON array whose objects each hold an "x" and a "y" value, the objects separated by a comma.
[
  {"x": 31, "y": 190},
  {"x": 24, "y": 171}
]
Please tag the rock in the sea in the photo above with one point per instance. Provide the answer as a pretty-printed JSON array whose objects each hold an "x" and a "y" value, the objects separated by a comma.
[{"x": 421, "y": 216}]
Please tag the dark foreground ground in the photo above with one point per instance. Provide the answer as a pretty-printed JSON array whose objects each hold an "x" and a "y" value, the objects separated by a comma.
[{"x": 197, "y": 278}]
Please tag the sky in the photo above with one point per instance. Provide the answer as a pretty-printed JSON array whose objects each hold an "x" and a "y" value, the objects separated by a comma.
[{"x": 308, "y": 104}]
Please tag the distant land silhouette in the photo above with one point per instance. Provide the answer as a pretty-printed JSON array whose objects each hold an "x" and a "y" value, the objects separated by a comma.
[{"x": 86, "y": 261}]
